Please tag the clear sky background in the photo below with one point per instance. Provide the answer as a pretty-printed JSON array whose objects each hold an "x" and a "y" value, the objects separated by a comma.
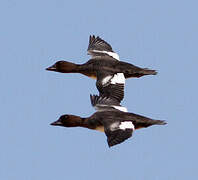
[{"x": 162, "y": 35}]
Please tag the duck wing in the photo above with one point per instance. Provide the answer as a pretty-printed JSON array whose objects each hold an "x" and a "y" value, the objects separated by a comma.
[
  {"x": 117, "y": 131},
  {"x": 111, "y": 85},
  {"x": 99, "y": 47},
  {"x": 108, "y": 84},
  {"x": 102, "y": 103}
]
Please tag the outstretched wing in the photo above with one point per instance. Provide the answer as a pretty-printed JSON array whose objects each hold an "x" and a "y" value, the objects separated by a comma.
[
  {"x": 102, "y": 103},
  {"x": 99, "y": 47},
  {"x": 108, "y": 84},
  {"x": 117, "y": 131},
  {"x": 111, "y": 85}
]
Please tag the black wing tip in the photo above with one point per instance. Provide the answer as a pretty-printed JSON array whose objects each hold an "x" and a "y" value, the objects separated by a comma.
[
  {"x": 93, "y": 37},
  {"x": 118, "y": 137},
  {"x": 94, "y": 99},
  {"x": 115, "y": 142},
  {"x": 110, "y": 144}
]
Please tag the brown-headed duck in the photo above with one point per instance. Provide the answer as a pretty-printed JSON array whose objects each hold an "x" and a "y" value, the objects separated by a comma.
[
  {"x": 105, "y": 67},
  {"x": 111, "y": 118}
]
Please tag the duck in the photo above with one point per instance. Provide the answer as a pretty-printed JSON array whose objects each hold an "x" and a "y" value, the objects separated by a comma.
[
  {"x": 104, "y": 66},
  {"x": 117, "y": 124}
]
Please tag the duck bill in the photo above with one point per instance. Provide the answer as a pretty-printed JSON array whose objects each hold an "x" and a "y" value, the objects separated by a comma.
[
  {"x": 56, "y": 123},
  {"x": 51, "y": 68}
]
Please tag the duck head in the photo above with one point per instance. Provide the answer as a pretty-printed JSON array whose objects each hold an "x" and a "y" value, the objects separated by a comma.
[
  {"x": 63, "y": 67},
  {"x": 68, "y": 121}
]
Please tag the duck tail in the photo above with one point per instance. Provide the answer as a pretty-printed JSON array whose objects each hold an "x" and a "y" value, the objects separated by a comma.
[
  {"x": 137, "y": 72},
  {"x": 158, "y": 122},
  {"x": 147, "y": 71},
  {"x": 149, "y": 122},
  {"x": 144, "y": 122}
]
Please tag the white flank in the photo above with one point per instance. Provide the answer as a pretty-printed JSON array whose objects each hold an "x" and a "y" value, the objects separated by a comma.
[
  {"x": 118, "y": 78},
  {"x": 127, "y": 125},
  {"x": 121, "y": 108},
  {"x": 106, "y": 79},
  {"x": 112, "y": 54}
]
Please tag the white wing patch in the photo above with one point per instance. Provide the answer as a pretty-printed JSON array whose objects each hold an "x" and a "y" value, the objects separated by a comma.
[
  {"x": 121, "y": 108},
  {"x": 103, "y": 107},
  {"x": 124, "y": 125},
  {"x": 127, "y": 125},
  {"x": 106, "y": 79},
  {"x": 112, "y": 54},
  {"x": 118, "y": 78}
]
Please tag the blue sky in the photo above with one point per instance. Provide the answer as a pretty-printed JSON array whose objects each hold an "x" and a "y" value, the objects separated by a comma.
[{"x": 156, "y": 34}]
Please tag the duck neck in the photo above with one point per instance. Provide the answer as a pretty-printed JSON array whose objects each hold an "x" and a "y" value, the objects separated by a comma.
[
  {"x": 77, "y": 121},
  {"x": 69, "y": 67}
]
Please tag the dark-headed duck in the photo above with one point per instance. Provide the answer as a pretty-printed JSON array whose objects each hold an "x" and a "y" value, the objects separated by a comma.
[
  {"x": 105, "y": 67},
  {"x": 117, "y": 125}
]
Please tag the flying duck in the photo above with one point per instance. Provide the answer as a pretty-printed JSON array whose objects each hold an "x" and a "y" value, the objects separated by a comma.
[
  {"x": 118, "y": 125},
  {"x": 104, "y": 66}
]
